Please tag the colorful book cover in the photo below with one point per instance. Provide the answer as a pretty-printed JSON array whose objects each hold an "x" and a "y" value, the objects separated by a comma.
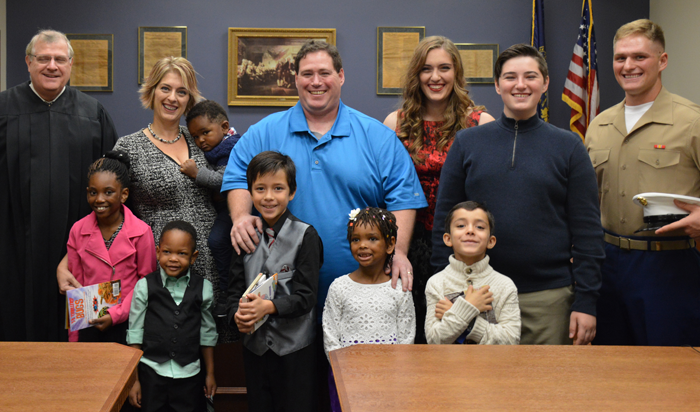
[{"x": 91, "y": 302}]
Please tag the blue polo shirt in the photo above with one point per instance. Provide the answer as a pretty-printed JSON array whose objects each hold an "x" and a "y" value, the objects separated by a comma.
[{"x": 358, "y": 163}]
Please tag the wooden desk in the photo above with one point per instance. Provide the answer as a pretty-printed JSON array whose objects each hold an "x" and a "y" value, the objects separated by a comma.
[
  {"x": 516, "y": 378},
  {"x": 37, "y": 376}
]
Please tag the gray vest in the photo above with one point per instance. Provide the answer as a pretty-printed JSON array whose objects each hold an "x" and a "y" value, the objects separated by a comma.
[{"x": 282, "y": 335}]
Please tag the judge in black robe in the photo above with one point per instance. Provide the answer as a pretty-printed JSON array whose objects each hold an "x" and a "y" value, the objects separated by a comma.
[{"x": 45, "y": 152}]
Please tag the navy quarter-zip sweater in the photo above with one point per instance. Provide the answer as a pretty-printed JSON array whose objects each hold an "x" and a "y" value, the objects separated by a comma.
[{"x": 539, "y": 183}]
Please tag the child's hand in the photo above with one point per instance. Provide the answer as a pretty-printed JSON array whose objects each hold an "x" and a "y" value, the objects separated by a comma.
[
  {"x": 252, "y": 311},
  {"x": 245, "y": 321},
  {"x": 481, "y": 298},
  {"x": 210, "y": 386},
  {"x": 103, "y": 323},
  {"x": 241, "y": 323},
  {"x": 442, "y": 306},
  {"x": 135, "y": 394},
  {"x": 189, "y": 167},
  {"x": 66, "y": 280},
  {"x": 258, "y": 306}
]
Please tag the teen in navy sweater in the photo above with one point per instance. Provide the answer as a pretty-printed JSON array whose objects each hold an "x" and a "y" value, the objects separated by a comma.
[{"x": 539, "y": 181}]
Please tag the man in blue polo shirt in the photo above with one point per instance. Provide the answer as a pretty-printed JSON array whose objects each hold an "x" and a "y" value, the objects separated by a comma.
[{"x": 344, "y": 160}]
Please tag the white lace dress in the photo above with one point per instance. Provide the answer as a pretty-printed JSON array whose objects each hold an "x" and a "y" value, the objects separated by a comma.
[{"x": 356, "y": 313}]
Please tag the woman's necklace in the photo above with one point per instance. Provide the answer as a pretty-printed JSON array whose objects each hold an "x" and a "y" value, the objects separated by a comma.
[{"x": 179, "y": 135}]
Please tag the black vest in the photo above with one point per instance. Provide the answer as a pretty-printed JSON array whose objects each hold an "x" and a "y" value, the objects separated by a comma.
[{"x": 172, "y": 331}]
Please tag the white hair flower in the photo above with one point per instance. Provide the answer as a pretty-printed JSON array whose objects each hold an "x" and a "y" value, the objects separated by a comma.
[{"x": 354, "y": 213}]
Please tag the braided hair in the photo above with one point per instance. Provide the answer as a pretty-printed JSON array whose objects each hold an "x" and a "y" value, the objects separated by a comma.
[
  {"x": 116, "y": 162},
  {"x": 382, "y": 219}
]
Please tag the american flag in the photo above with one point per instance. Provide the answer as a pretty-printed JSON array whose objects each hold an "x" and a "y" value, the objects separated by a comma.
[{"x": 581, "y": 91}]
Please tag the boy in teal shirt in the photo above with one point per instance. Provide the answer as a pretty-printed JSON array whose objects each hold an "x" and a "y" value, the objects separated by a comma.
[{"x": 170, "y": 320}]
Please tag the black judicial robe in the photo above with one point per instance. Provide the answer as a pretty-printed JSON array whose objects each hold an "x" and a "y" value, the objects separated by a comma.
[{"x": 45, "y": 152}]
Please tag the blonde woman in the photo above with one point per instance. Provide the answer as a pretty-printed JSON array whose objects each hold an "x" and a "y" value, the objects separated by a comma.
[{"x": 160, "y": 191}]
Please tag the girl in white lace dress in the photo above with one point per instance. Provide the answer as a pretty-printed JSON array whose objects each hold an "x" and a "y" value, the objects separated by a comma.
[{"x": 361, "y": 306}]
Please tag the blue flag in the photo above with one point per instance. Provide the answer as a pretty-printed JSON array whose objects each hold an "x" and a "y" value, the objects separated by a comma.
[{"x": 537, "y": 41}]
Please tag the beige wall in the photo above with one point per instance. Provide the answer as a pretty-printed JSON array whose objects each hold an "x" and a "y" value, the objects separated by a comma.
[{"x": 678, "y": 18}]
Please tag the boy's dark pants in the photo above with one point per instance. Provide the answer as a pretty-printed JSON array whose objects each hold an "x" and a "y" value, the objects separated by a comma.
[
  {"x": 281, "y": 383},
  {"x": 161, "y": 394}
]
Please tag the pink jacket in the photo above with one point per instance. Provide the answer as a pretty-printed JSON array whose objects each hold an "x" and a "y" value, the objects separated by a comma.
[{"x": 132, "y": 255}]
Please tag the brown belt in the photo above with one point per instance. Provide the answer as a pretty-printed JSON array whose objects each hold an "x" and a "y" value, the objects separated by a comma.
[{"x": 651, "y": 245}]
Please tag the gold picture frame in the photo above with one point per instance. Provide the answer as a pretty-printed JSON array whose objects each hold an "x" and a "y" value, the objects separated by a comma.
[
  {"x": 158, "y": 42},
  {"x": 478, "y": 61},
  {"x": 261, "y": 64},
  {"x": 395, "y": 46},
  {"x": 93, "y": 63}
]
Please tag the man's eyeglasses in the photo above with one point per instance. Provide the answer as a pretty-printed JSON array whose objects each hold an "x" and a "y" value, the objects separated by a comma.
[{"x": 45, "y": 59}]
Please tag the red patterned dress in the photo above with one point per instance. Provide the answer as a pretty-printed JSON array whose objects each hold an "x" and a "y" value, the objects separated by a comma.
[
  {"x": 421, "y": 245},
  {"x": 433, "y": 159}
]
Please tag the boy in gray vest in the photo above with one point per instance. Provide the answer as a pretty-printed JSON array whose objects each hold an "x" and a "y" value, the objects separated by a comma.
[
  {"x": 170, "y": 320},
  {"x": 279, "y": 357}
]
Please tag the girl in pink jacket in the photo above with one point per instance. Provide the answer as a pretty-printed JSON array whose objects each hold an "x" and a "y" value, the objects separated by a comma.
[{"x": 108, "y": 244}]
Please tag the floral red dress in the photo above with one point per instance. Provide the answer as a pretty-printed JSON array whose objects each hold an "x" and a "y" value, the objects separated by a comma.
[
  {"x": 421, "y": 244},
  {"x": 433, "y": 159}
]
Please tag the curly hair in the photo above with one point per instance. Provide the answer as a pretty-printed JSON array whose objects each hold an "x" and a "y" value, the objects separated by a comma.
[
  {"x": 411, "y": 115},
  {"x": 383, "y": 220}
]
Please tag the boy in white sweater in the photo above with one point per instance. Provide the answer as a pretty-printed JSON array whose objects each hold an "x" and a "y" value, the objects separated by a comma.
[{"x": 468, "y": 301}]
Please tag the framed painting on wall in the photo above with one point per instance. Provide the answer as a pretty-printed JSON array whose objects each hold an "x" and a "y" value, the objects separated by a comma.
[
  {"x": 261, "y": 64},
  {"x": 92, "y": 62},
  {"x": 158, "y": 42},
  {"x": 478, "y": 61},
  {"x": 395, "y": 46}
]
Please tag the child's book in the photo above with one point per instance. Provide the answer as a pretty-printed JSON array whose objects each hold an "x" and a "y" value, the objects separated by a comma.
[
  {"x": 90, "y": 302},
  {"x": 265, "y": 288}
]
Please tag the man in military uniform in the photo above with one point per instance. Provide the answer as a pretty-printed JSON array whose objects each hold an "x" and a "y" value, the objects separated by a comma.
[{"x": 650, "y": 142}]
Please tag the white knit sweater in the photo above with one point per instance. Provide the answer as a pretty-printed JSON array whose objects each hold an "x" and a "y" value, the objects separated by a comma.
[
  {"x": 454, "y": 278},
  {"x": 357, "y": 313}
]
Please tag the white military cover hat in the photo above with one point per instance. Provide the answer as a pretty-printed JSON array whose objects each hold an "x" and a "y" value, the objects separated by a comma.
[{"x": 659, "y": 209}]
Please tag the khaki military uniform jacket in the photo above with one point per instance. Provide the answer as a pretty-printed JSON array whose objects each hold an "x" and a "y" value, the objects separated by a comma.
[{"x": 660, "y": 154}]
